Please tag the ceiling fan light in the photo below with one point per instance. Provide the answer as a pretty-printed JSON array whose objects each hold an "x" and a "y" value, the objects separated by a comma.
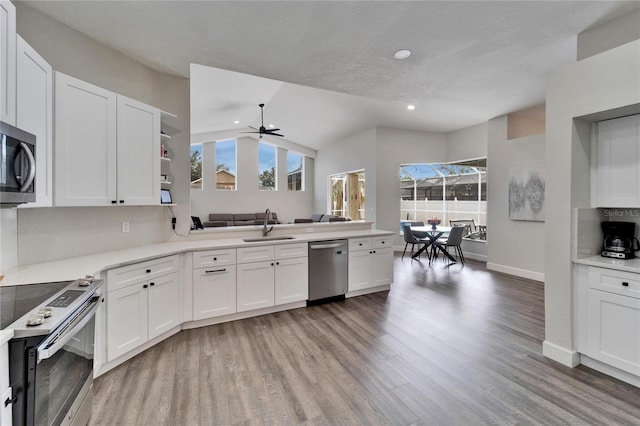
[
  {"x": 236, "y": 122},
  {"x": 411, "y": 107},
  {"x": 402, "y": 54}
]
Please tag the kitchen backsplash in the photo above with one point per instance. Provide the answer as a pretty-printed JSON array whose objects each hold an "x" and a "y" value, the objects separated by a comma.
[
  {"x": 46, "y": 234},
  {"x": 588, "y": 238}
]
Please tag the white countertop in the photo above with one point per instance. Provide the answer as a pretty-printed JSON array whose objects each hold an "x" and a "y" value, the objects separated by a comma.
[
  {"x": 628, "y": 265},
  {"x": 78, "y": 267}
]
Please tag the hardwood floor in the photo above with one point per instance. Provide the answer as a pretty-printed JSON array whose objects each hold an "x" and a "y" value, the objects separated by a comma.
[{"x": 446, "y": 346}]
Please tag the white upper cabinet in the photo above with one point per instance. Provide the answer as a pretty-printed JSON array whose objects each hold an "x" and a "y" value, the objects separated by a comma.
[
  {"x": 138, "y": 152},
  {"x": 34, "y": 114},
  {"x": 107, "y": 147},
  {"x": 7, "y": 62},
  {"x": 617, "y": 168}
]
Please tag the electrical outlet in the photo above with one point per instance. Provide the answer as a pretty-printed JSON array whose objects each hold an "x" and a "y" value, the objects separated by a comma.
[{"x": 125, "y": 226}]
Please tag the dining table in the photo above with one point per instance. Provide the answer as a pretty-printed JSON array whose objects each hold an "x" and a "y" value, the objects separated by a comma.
[{"x": 432, "y": 235}]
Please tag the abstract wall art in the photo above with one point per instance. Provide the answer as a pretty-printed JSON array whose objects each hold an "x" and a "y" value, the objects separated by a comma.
[{"x": 526, "y": 193}]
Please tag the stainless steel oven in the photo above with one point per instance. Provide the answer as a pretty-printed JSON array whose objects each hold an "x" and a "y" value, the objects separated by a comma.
[
  {"x": 17, "y": 165},
  {"x": 51, "y": 358}
]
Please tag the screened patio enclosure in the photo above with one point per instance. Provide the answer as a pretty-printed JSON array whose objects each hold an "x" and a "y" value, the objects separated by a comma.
[{"x": 455, "y": 191}]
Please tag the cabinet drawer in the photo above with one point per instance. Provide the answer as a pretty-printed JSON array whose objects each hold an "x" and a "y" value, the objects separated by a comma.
[
  {"x": 206, "y": 259},
  {"x": 382, "y": 242},
  {"x": 127, "y": 275},
  {"x": 356, "y": 244},
  {"x": 288, "y": 251},
  {"x": 619, "y": 282},
  {"x": 255, "y": 254}
]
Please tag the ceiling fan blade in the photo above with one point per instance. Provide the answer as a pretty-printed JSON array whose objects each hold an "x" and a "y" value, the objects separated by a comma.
[
  {"x": 271, "y": 130},
  {"x": 251, "y": 127},
  {"x": 275, "y": 134},
  {"x": 251, "y": 132}
]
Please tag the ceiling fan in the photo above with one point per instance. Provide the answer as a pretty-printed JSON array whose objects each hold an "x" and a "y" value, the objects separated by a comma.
[{"x": 263, "y": 130}]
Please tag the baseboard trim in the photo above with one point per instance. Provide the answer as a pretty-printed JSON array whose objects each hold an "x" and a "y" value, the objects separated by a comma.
[
  {"x": 364, "y": 291},
  {"x": 611, "y": 371},
  {"x": 564, "y": 356},
  {"x": 242, "y": 315},
  {"x": 523, "y": 273}
]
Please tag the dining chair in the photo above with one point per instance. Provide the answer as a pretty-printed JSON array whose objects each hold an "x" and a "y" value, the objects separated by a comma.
[
  {"x": 418, "y": 234},
  {"x": 410, "y": 238},
  {"x": 453, "y": 240},
  {"x": 469, "y": 224}
]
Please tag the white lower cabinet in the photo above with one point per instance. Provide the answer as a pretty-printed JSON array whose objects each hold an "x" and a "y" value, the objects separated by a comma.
[
  {"x": 291, "y": 280},
  {"x": 255, "y": 285},
  {"x": 370, "y": 262},
  {"x": 140, "y": 310},
  {"x": 609, "y": 314},
  {"x": 614, "y": 330},
  {"x": 214, "y": 283},
  {"x": 282, "y": 278}
]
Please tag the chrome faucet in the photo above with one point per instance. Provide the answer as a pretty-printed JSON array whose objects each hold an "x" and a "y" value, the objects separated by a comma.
[{"x": 266, "y": 231}]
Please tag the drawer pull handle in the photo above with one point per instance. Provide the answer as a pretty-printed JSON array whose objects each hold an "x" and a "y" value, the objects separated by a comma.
[
  {"x": 213, "y": 271},
  {"x": 625, "y": 284},
  {"x": 145, "y": 286},
  {"x": 152, "y": 284},
  {"x": 215, "y": 258},
  {"x": 148, "y": 271}
]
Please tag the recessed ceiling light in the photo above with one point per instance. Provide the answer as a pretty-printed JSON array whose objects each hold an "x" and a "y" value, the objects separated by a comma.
[
  {"x": 236, "y": 122},
  {"x": 272, "y": 126},
  {"x": 402, "y": 54},
  {"x": 411, "y": 107}
]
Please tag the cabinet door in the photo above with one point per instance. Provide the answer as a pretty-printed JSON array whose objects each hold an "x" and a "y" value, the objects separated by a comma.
[
  {"x": 255, "y": 285},
  {"x": 126, "y": 319},
  {"x": 382, "y": 267},
  {"x": 359, "y": 270},
  {"x": 7, "y": 62},
  {"x": 34, "y": 114},
  {"x": 85, "y": 135},
  {"x": 6, "y": 414},
  {"x": 618, "y": 172},
  {"x": 164, "y": 304},
  {"x": 291, "y": 280},
  {"x": 214, "y": 292},
  {"x": 614, "y": 330},
  {"x": 138, "y": 153}
]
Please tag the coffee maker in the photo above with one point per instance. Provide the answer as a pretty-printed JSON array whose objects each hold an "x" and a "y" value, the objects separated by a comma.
[{"x": 620, "y": 241}]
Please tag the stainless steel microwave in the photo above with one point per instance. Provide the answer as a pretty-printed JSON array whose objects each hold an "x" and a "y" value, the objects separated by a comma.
[{"x": 17, "y": 166}]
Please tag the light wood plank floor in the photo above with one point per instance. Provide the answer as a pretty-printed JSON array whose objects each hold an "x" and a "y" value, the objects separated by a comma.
[{"x": 456, "y": 346}]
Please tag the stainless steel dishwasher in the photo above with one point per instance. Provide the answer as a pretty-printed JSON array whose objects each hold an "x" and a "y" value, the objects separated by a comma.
[{"x": 328, "y": 269}]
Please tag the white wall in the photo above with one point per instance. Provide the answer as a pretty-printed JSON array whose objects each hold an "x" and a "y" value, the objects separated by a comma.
[
  {"x": 99, "y": 229},
  {"x": 355, "y": 153},
  {"x": 603, "y": 82},
  {"x": 609, "y": 35},
  {"x": 513, "y": 246},
  {"x": 288, "y": 205},
  {"x": 468, "y": 143}
]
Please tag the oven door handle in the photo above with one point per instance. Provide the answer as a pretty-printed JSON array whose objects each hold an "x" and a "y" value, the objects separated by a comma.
[{"x": 46, "y": 351}]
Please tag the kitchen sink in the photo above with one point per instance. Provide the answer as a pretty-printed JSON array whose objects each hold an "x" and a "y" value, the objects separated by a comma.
[{"x": 272, "y": 238}]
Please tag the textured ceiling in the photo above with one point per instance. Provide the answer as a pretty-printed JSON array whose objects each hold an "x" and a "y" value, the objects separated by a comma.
[{"x": 471, "y": 60}]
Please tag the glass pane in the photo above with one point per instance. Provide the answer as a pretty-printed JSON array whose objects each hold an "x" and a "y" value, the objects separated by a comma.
[
  {"x": 226, "y": 165},
  {"x": 338, "y": 194},
  {"x": 266, "y": 167},
  {"x": 196, "y": 166},
  {"x": 295, "y": 171}
]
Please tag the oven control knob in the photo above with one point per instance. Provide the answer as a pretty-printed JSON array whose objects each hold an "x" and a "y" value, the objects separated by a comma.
[
  {"x": 46, "y": 312},
  {"x": 83, "y": 282},
  {"x": 36, "y": 319}
]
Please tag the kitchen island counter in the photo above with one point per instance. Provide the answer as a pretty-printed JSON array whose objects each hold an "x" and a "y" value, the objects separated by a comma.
[{"x": 77, "y": 267}]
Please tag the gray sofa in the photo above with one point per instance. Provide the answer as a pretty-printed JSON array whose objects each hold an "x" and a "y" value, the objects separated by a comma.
[
  {"x": 238, "y": 219},
  {"x": 321, "y": 217}
]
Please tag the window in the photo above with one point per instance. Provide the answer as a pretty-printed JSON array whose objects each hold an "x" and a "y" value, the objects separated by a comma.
[
  {"x": 226, "y": 165},
  {"x": 266, "y": 167},
  {"x": 453, "y": 191},
  {"x": 196, "y": 166},
  {"x": 295, "y": 171},
  {"x": 346, "y": 192}
]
